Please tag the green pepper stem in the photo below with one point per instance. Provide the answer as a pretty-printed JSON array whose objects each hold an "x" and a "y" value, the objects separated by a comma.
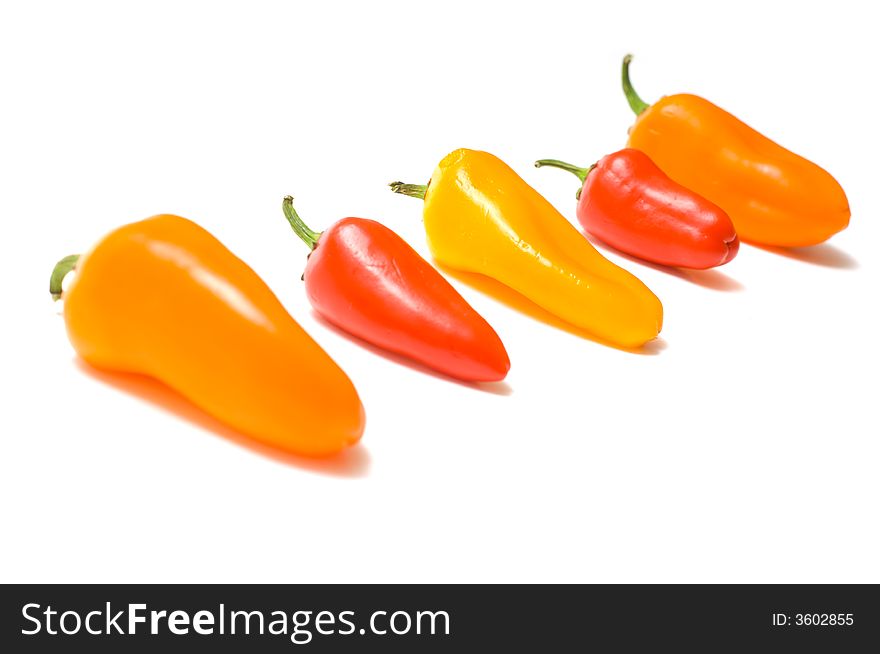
[
  {"x": 59, "y": 272},
  {"x": 302, "y": 230},
  {"x": 412, "y": 190},
  {"x": 635, "y": 102},
  {"x": 581, "y": 173}
]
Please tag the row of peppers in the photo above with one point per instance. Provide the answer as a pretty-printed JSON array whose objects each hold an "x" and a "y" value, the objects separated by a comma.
[{"x": 163, "y": 297}]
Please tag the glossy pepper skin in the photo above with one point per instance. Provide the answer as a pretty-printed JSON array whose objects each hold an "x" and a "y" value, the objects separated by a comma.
[
  {"x": 481, "y": 217},
  {"x": 630, "y": 204},
  {"x": 164, "y": 298},
  {"x": 365, "y": 279},
  {"x": 773, "y": 196}
]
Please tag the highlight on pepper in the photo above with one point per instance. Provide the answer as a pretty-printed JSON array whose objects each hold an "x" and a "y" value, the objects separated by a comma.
[
  {"x": 481, "y": 217},
  {"x": 162, "y": 297},
  {"x": 773, "y": 196}
]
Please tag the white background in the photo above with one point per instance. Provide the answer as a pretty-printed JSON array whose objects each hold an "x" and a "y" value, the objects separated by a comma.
[{"x": 742, "y": 447}]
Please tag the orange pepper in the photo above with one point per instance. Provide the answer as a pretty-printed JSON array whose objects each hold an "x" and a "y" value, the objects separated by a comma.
[
  {"x": 773, "y": 196},
  {"x": 164, "y": 298}
]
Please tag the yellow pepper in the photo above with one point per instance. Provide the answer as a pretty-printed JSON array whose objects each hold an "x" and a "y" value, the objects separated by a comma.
[{"x": 481, "y": 217}]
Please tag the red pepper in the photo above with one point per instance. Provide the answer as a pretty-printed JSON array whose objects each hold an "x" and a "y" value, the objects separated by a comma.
[
  {"x": 366, "y": 280},
  {"x": 630, "y": 204}
]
